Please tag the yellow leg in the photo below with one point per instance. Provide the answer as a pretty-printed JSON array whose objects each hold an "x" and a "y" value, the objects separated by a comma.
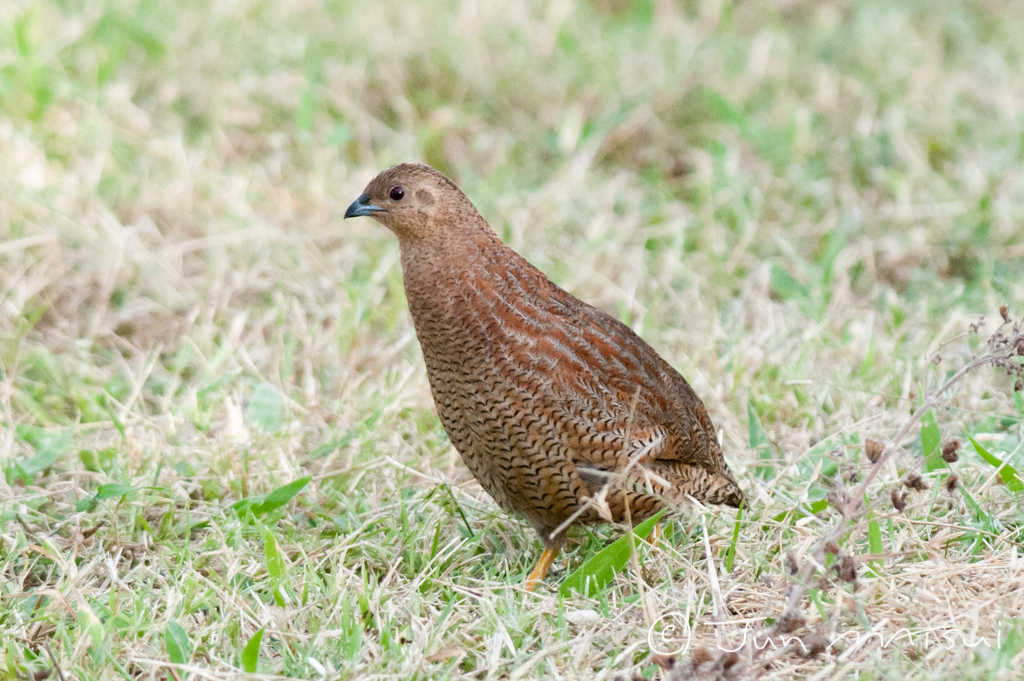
[
  {"x": 541, "y": 570},
  {"x": 654, "y": 536}
]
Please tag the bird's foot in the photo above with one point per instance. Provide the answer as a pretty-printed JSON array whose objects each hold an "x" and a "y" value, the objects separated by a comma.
[
  {"x": 541, "y": 569},
  {"x": 654, "y": 536}
]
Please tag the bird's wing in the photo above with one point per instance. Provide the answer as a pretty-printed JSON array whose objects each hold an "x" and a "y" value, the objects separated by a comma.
[
  {"x": 593, "y": 370},
  {"x": 639, "y": 383}
]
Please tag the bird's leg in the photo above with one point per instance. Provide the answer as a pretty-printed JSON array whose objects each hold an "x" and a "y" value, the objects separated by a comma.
[
  {"x": 541, "y": 570},
  {"x": 654, "y": 536}
]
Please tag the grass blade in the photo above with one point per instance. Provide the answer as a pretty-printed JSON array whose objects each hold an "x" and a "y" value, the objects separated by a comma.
[
  {"x": 266, "y": 408},
  {"x": 262, "y": 504},
  {"x": 602, "y": 567},
  {"x": 930, "y": 440},
  {"x": 277, "y": 568},
  {"x": 281, "y": 496},
  {"x": 875, "y": 542},
  {"x": 49, "y": 447},
  {"x": 731, "y": 553},
  {"x": 1007, "y": 472},
  {"x": 179, "y": 647},
  {"x": 275, "y": 559},
  {"x": 758, "y": 439},
  {"x": 251, "y": 652},
  {"x": 351, "y": 636},
  {"x": 113, "y": 491},
  {"x": 785, "y": 285}
]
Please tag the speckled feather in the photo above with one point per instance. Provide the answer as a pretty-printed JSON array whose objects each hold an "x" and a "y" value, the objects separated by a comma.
[{"x": 533, "y": 386}]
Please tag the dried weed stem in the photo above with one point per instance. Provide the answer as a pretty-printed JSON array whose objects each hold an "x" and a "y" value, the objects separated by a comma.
[{"x": 1002, "y": 351}]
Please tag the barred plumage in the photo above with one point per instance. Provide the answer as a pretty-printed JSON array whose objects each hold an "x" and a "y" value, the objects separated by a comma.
[{"x": 533, "y": 386}]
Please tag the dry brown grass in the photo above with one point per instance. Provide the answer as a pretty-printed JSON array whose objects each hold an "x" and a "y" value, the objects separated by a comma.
[{"x": 797, "y": 203}]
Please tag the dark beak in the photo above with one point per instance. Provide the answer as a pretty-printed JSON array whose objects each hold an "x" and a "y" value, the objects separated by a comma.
[{"x": 361, "y": 207}]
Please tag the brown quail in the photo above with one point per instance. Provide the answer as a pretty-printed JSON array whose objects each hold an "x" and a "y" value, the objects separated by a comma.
[{"x": 539, "y": 391}]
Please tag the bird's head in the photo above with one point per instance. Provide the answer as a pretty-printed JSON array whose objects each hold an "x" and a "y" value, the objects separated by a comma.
[{"x": 414, "y": 201}]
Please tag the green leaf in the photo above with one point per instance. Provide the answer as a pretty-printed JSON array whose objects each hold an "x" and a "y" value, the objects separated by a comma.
[
  {"x": 351, "y": 636},
  {"x": 815, "y": 597},
  {"x": 275, "y": 559},
  {"x": 816, "y": 503},
  {"x": 266, "y": 408},
  {"x": 731, "y": 553},
  {"x": 759, "y": 442},
  {"x": 346, "y": 439},
  {"x": 874, "y": 540},
  {"x": 602, "y": 567},
  {"x": 1007, "y": 472},
  {"x": 99, "y": 460},
  {"x": 108, "y": 491},
  {"x": 49, "y": 448},
  {"x": 975, "y": 506},
  {"x": 112, "y": 491},
  {"x": 822, "y": 452},
  {"x": 179, "y": 648},
  {"x": 224, "y": 378},
  {"x": 785, "y": 284},
  {"x": 265, "y": 503},
  {"x": 1010, "y": 643},
  {"x": 930, "y": 440},
  {"x": 818, "y": 506},
  {"x": 281, "y": 496},
  {"x": 323, "y": 450},
  {"x": 251, "y": 652},
  {"x": 758, "y": 438}
]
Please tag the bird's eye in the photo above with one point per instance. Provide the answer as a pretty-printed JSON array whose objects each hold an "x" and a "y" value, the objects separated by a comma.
[{"x": 397, "y": 194}]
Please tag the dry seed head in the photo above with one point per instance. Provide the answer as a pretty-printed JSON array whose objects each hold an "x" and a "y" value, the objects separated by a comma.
[
  {"x": 951, "y": 482},
  {"x": 950, "y": 449},
  {"x": 840, "y": 499},
  {"x": 873, "y": 450},
  {"x": 790, "y": 622},
  {"x": 792, "y": 567},
  {"x": 1005, "y": 347},
  {"x": 832, "y": 547},
  {"x": 702, "y": 655},
  {"x": 847, "y": 569},
  {"x": 1005, "y": 312},
  {"x": 814, "y": 643},
  {"x": 899, "y": 500},
  {"x": 915, "y": 482}
]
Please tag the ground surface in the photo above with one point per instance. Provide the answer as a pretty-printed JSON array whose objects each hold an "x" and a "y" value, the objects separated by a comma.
[{"x": 795, "y": 202}]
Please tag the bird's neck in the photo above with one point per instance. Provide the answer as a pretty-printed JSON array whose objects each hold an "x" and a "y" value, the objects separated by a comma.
[
  {"x": 426, "y": 260},
  {"x": 436, "y": 270}
]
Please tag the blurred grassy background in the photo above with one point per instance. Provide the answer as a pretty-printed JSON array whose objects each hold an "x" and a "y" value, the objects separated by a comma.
[{"x": 795, "y": 202}]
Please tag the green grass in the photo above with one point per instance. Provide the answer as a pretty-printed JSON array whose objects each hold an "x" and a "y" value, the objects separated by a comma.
[{"x": 796, "y": 203}]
